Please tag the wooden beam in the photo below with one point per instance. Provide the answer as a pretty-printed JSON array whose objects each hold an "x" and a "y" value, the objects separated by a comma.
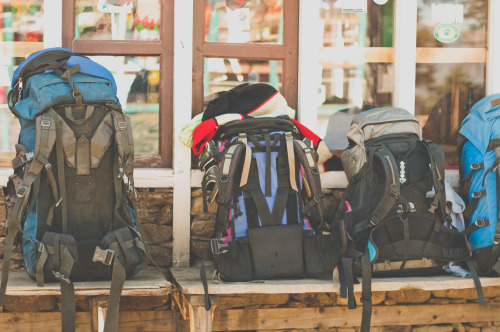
[
  {"x": 117, "y": 47},
  {"x": 450, "y": 55},
  {"x": 51, "y": 321},
  {"x": 244, "y": 51},
  {"x": 356, "y": 55},
  {"x": 312, "y": 318}
]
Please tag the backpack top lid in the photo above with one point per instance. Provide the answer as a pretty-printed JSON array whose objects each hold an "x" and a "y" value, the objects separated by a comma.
[
  {"x": 382, "y": 121},
  {"x": 477, "y": 126},
  {"x": 36, "y": 59},
  {"x": 372, "y": 124}
]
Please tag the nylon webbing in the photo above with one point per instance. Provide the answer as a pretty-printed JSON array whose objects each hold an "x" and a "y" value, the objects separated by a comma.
[
  {"x": 477, "y": 283},
  {"x": 496, "y": 236},
  {"x": 392, "y": 186},
  {"x": 248, "y": 159},
  {"x": 366, "y": 292},
  {"x": 77, "y": 94},
  {"x": 68, "y": 306},
  {"x": 88, "y": 113},
  {"x": 291, "y": 160},
  {"x": 267, "y": 186},
  {"x": 125, "y": 142},
  {"x": 467, "y": 213},
  {"x": 117, "y": 281},
  {"x": 39, "y": 267},
  {"x": 60, "y": 171},
  {"x": 349, "y": 279}
]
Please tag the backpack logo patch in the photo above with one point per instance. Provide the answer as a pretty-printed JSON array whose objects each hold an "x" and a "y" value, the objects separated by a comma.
[{"x": 402, "y": 172}]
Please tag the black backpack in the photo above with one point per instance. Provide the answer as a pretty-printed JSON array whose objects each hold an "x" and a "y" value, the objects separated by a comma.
[
  {"x": 396, "y": 191},
  {"x": 68, "y": 194},
  {"x": 269, "y": 221}
]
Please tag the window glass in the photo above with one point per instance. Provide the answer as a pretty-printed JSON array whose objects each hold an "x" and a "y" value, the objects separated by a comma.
[
  {"x": 118, "y": 19},
  {"x": 355, "y": 65},
  {"x": 21, "y": 34},
  {"x": 244, "y": 21},
  {"x": 452, "y": 23},
  {"x": 138, "y": 80},
  {"x": 225, "y": 74},
  {"x": 445, "y": 94}
]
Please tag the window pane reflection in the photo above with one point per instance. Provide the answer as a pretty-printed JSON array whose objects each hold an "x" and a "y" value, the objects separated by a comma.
[
  {"x": 21, "y": 34},
  {"x": 137, "y": 80},
  {"x": 445, "y": 94},
  {"x": 244, "y": 21},
  {"x": 118, "y": 19},
  {"x": 468, "y": 16},
  {"x": 225, "y": 74}
]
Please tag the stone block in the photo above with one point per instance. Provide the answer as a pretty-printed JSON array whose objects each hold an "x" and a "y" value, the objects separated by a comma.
[
  {"x": 156, "y": 234},
  {"x": 410, "y": 295},
  {"x": 197, "y": 209},
  {"x": 161, "y": 255},
  {"x": 203, "y": 228},
  {"x": 165, "y": 216}
]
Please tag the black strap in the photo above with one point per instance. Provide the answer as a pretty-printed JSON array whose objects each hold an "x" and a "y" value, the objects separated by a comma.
[
  {"x": 366, "y": 292},
  {"x": 479, "y": 223},
  {"x": 117, "y": 281},
  {"x": 267, "y": 139},
  {"x": 436, "y": 157},
  {"x": 349, "y": 279},
  {"x": 477, "y": 283},
  {"x": 392, "y": 185},
  {"x": 68, "y": 306},
  {"x": 203, "y": 276},
  {"x": 473, "y": 203}
]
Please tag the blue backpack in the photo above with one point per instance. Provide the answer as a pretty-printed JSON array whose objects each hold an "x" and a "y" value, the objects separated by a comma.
[
  {"x": 479, "y": 155},
  {"x": 67, "y": 194},
  {"x": 270, "y": 219}
]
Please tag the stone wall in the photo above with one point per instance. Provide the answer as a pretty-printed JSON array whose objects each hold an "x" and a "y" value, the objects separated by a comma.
[{"x": 154, "y": 207}]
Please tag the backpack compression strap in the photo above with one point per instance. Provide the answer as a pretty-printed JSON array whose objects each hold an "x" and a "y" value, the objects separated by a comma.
[
  {"x": 125, "y": 141},
  {"x": 306, "y": 158},
  {"x": 436, "y": 156},
  {"x": 45, "y": 139}
]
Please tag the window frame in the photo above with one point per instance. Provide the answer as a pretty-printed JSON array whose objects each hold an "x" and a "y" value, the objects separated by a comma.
[
  {"x": 287, "y": 52},
  {"x": 162, "y": 48}
]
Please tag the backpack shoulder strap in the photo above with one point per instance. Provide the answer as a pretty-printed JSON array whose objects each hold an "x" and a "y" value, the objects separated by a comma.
[
  {"x": 392, "y": 189},
  {"x": 312, "y": 181}
]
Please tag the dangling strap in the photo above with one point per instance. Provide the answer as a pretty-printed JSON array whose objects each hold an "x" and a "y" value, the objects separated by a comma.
[
  {"x": 366, "y": 292},
  {"x": 117, "y": 281},
  {"x": 203, "y": 276},
  {"x": 67, "y": 291},
  {"x": 267, "y": 186},
  {"x": 349, "y": 279},
  {"x": 473, "y": 271},
  {"x": 291, "y": 160}
]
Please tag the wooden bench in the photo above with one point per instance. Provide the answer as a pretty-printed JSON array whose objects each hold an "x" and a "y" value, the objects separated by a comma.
[
  {"x": 144, "y": 306},
  {"x": 397, "y": 302}
]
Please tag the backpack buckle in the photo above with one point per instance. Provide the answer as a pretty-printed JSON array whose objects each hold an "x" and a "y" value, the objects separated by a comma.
[
  {"x": 481, "y": 222},
  {"x": 27, "y": 157},
  {"x": 496, "y": 239},
  {"x": 122, "y": 125},
  {"x": 45, "y": 123},
  {"x": 104, "y": 256},
  {"x": 59, "y": 276},
  {"x": 318, "y": 197},
  {"x": 394, "y": 193},
  {"x": 477, "y": 194},
  {"x": 475, "y": 166},
  {"x": 21, "y": 191},
  {"x": 218, "y": 246}
]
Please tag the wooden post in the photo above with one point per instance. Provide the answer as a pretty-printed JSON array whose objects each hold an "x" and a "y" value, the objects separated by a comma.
[{"x": 200, "y": 320}]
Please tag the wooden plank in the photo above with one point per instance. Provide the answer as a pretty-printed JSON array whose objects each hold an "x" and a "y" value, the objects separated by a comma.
[
  {"x": 244, "y": 51},
  {"x": 289, "y": 84},
  {"x": 117, "y": 47},
  {"x": 353, "y": 56},
  {"x": 314, "y": 318},
  {"x": 51, "y": 321},
  {"x": 188, "y": 282},
  {"x": 450, "y": 55},
  {"x": 19, "y": 49},
  {"x": 146, "y": 283}
]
